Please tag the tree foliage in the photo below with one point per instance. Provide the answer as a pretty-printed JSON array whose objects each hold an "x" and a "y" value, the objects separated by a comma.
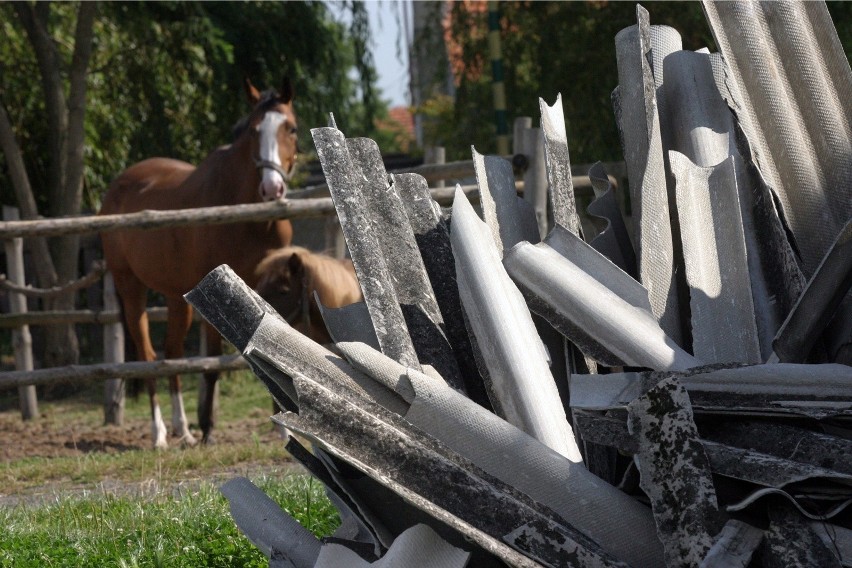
[
  {"x": 166, "y": 79},
  {"x": 557, "y": 47},
  {"x": 87, "y": 89},
  {"x": 550, "y": 48}
]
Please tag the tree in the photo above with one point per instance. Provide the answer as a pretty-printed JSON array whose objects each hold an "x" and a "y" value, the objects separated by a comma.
[
  {"x": 65, "y": 116},
  {"x": 88, "y": 89},
  {"x": 550, "y": 48}
]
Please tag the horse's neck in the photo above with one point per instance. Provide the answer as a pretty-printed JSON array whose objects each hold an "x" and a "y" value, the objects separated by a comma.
[{"x": 227, "y": 176}]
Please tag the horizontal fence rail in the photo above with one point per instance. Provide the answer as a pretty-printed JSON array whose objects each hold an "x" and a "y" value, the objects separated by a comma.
[
  {"x": 132, "y": 370},
  {"x": 62, "y": 317}
]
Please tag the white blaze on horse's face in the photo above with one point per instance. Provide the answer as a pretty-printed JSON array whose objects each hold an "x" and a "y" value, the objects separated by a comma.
[{"x": 272, "y": 182}]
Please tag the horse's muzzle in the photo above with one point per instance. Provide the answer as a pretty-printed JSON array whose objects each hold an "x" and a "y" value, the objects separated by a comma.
[
  {"x": 273, "y": 180},
  {"x": 272, "y": 188}
]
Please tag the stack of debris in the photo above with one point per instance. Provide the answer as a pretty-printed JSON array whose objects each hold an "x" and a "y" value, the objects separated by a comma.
[{"x": 499, "y": 399}]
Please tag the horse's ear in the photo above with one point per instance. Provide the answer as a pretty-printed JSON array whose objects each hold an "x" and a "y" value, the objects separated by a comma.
[
  {"x": 252, "y": 93},
  {"x": 287, "y": 91},
  {"x": 295, "y": 264}
]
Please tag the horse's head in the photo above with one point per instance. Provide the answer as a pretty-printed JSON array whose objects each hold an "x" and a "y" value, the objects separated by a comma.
[
  {"x": 282, "y": 283},
  {"x": 273, "y": 130}
]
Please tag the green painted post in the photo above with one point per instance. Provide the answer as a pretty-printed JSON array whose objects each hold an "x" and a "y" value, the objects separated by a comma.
[{"x": 498, "y": 86}]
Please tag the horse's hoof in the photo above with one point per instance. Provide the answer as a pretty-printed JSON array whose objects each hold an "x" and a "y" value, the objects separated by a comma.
[
  {"x": 161, "y": 444},
  {"x": 188, "y": 440},
  {"x": 208, "y": 441}
]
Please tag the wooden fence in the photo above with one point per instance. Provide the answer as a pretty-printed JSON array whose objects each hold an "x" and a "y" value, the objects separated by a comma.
[{"x": 312, "y": 202}]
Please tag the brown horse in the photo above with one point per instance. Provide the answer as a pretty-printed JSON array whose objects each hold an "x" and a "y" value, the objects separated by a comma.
[
  {"x": 254, "y": 168},
  {"x": 288, "y": 278}
]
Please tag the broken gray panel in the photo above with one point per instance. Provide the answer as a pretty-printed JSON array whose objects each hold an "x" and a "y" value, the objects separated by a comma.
[
  {"x": 598, "y": 428},
  {"x": 643, "y": 155},
  {"x": 790, "y": 541},
  {"x": 791, "y": 89},
  {"x": 558, "y": 163},
  {"x": 825, "y": 291},
  {"x": 598, "y": 267},
  {"x": 783, "y": 440},
  {"x": 358, "y": 521},
  {"x": 838, "y": 334},
  {"x": 836, "y": 538},
  {"x": 624, "y": 528},
  {"x": 734, "y": 546},
  {"x": 416, "y": 546},
  {"x": 591, "y": 315},
  {"x": 535, "y": 177},
  {"x": 382, "y": 505},
  {"x": 276, "y": 534},
  {"x": 433, "y": 239},
  {"x": 614, "y": 241},
  {"x": 756, "y": 388},
  {"x": 227, "y": 303},
  {"x": 675, "y": 473},
  {"x": 281, "y": 347},
  {"x": 346, "y": 183},
  {"x": 723, "y": 326},
  {"x": 349, "y": 323},
  {"x": 417, "y": 467},
  {"x": 380, "y": 367},
  {"x": 517, "y": 364},
  {"x": 771, "y": 471},
  {"x": 705, "y": 132},
  {"x": 235, "y": 310},
  {"x": 392, "y": 229},
  {"x": 510, "y": 219},
  {"x": 700, "y": 122}
]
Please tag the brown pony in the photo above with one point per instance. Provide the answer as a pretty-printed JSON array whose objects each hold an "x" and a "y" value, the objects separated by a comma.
[
  {"x": 288, "y": 278},
  {"x": 254, "y": 168}
]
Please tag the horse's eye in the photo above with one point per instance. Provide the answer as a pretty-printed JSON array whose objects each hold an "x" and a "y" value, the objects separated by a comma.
[{"x": 294, "y": 131}]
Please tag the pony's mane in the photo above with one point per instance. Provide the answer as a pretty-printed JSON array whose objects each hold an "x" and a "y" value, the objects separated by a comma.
[
  {"x": 333, "y": 272},
  {"x": 268, "y": 99}
]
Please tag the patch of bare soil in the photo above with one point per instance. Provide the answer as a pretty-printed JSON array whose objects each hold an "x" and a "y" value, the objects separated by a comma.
[{"x": 55, "y": 436}]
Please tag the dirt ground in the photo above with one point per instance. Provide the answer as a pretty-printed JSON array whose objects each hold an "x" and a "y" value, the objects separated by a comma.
[{"x": 55, "y": 437}]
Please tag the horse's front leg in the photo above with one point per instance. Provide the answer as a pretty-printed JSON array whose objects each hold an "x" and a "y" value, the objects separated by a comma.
[
  {"x": 207, "y": 395},
  {"x": 179, "y": 320},
  {"x": 133, "y": 295}
]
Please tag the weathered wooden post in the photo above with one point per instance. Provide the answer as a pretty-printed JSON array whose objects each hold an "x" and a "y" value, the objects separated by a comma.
[
  {"x": 437, "y": 155},
  {"x": 113, "y": 353},
  {"x": 334, "y": 240},
  {"x": 21, "y": 338}
]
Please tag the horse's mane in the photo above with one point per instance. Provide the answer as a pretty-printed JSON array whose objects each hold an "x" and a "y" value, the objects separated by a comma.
[
  {"x": 332, "y": 273},
  {"x": 268, "y": 99}
]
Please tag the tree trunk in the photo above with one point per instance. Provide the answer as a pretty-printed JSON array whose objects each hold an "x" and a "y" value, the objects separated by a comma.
[{"x": 66, "y": 119}]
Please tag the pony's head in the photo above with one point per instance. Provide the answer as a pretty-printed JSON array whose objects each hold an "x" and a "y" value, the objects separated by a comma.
[{"x": 273, "y": 130}]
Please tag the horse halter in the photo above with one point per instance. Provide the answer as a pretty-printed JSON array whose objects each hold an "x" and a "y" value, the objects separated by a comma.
[{"x": 270, "y": 165}]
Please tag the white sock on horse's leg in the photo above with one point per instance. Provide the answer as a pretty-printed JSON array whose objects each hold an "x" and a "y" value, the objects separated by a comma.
[
  {"x": 179, "y": 421},
  {"x": 158, "y": 429}
]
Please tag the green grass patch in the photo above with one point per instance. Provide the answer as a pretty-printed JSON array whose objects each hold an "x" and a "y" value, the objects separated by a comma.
[{"x": 193, "y": 530}]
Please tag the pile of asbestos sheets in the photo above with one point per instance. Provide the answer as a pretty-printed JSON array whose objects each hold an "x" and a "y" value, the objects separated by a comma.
[{"x": 674, "y": 390}]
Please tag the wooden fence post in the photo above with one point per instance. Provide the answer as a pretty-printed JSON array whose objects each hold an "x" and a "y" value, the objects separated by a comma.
[
  {"x": 521, "y": 123},
  {"x": 436, "y": 155},
  {"x": 334, "y": 240},
  {"x": 21, "y": 338},
  {"x": 113, "y": 353}
]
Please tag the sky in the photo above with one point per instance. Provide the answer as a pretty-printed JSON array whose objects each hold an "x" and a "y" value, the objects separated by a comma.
[
  {"x": 384, "y": 28},
  {"x": 393, "y": 75}
]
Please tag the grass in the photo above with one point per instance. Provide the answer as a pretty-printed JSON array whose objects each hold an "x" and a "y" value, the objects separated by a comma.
[
  {"x": 192, "y": 530},
  {"x": 141, "y": 507}
]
